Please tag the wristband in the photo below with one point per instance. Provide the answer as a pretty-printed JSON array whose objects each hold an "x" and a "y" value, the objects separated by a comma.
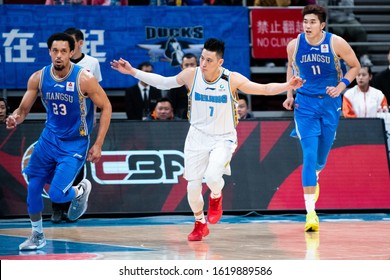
[{"x": 345, "y": 81}]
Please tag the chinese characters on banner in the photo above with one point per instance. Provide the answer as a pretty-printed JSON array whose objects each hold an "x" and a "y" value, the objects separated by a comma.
[
  {"x": 273, "y": 29},
  {"x": 18, "y": 49},
  {"x": 141, "y": 36}
]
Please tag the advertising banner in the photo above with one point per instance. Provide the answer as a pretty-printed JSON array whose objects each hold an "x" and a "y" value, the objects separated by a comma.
[
  {"x": 160, "y": 35},
  {"x": 142, "y": 164},
  {"x": 272, "y": 29}
]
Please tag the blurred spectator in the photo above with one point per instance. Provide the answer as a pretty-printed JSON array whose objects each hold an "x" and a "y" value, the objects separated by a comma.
[
  {"x": 108, "y": 2},
  {"x": 363, "y": 101},
  {"x": 166, "y": 3},
  {"x": 354, "y": 32},
  {"x": 243, "y": 108},
  {"x": 179, "y": 96},
  {"x": 139, "y": 2},
  {"x": 88, "y": 2},
  {"x": 141, "y": 99},
  {"x": 302, "y": 2},
  {"x": 24, "y": 1},
  {"x": 164, "y": 111},
  {"x": 381, "y": 80},
  {"x": 277, "y": 3},
  {"x": 193, "y": 2},
  {"x": 223, "y": 2},
  {"x": 66, "y": 2},
  {"x": 4, "y": 110}
]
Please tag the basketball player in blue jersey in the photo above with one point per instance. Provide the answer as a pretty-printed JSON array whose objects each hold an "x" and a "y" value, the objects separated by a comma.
[
  {"x": 68, "y": 93},
  {"x": 317, "y": 57},
  {"x": 212, "y": 138},
  {"x": 91, "y": 64}
]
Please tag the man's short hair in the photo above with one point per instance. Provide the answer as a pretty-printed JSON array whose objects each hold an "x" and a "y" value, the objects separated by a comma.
[
  {"x": 7, "y": 108},
  {"x": 61, "y": 37},
  {"x": 144, "y": 64},
  {"x": 215, "y": 45},
  {"x": 165, "y": 99},
  {"x": 243, "y": 97},
  {"x": 77, "y": 33}
]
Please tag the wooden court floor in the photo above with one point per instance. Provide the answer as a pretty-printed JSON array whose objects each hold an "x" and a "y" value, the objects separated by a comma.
[{"x": 255, "y": 237}]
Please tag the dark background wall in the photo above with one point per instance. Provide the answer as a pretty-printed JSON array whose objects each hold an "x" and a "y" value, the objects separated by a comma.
[{"x": 142, "y": 165}]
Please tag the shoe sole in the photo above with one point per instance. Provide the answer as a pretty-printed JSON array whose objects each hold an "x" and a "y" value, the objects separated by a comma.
[
  {"x": 76, "y": 217},
  {"x": 35, "y": 248},
  {"x": 312, "y": 227},
  {"x": 214, "y": 219},
  {"x": 194, "y": 239},
  {"x": 312, "y": 223},
  {"x": 203, "y": 235}
]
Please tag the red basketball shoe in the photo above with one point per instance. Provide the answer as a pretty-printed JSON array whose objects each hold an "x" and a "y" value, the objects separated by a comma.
[
  {"x": 200, "y": 231},
  {"x": 215, "y": 210}
]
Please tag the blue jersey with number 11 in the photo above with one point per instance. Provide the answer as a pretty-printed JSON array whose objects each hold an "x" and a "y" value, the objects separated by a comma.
[{"x": 317, "y": 64}]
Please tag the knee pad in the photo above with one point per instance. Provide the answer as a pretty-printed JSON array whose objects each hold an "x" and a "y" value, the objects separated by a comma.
[
  {"x": 194, "y": 195},
  {"x": 194, "y": 188},
  {"x": 214, "y": 181}
]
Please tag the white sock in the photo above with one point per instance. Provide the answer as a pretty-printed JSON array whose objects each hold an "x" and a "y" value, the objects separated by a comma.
[
  {"x": 37, "y": 226},
  {"x": 309, "y": 202},
  {"x": 318, "y": 174},
  {"x": 218, "y": 195},
  {"x": 201, "y": 218}
]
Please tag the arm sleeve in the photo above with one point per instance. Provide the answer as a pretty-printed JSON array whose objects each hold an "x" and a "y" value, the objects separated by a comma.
[{"x": 157, "y": 81}]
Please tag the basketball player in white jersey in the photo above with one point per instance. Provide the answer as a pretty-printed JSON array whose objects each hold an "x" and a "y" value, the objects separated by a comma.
[{"x": 212, "y": 137}]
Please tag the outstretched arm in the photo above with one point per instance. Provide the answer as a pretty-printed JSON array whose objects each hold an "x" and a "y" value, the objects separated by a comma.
[
  {"x": 245, "y": 85},
  {"x": 158, "y": 81},
  {"x": 20, "y": 114}
]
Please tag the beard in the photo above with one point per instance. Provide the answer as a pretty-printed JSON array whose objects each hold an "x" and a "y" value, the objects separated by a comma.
[{"x": 59, "y": 67}]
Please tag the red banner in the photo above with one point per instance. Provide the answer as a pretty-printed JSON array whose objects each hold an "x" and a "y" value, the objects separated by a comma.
[{"x": 272, "y": 29}]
